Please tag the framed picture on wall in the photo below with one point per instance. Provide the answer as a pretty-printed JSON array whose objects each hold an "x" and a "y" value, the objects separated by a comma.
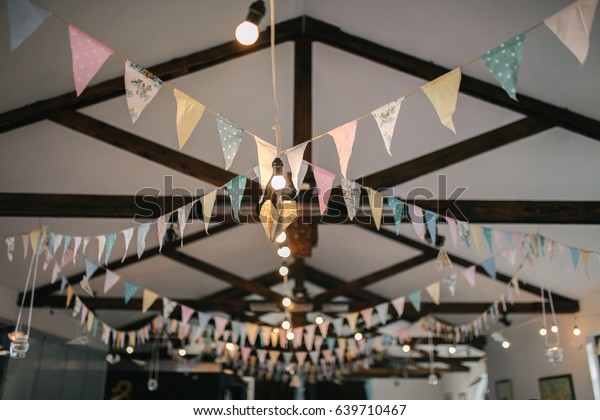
[
  {"x": 557, "y": 388},
  {"x": 504, "y": 390}
]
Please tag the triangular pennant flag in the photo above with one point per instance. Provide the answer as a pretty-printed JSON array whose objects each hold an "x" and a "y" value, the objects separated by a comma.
[
  {"x": 324, "y": 180},
  {"x": 168, "y": 307},
  {"x": 220, "y": 324},
  {"x": 314, "y": 357},
  {"x": 330, "y": 341},
  {"x": 382, "y": 312},
  {"x": 300, "y": 358},
  {"x": 84, "y": 310},
  {"x": 130, "y": 290},
  {"x": 34, "y": 237},
  {"x": 63, "y": 283},
  {"x": 183, "y": 214},
  {"x": 274, "y": 355},
  {"x": 101, "y": 245},
  {"x": 266, "y": 154},
  {"x": 203, "y": 319},
  {"x": 261, "y": 354},
  {"x": 398, "y": 305},
  {"x": 511, "y": 256},
  {"x": 418, "y": 224},
  {"x": 57, "y": 241},
  {"x": 110, "y": 280},
  {"x": 10, "y": 247},
  {"x": 434, "y": 291},
  {"x": 208, "y": 202},
  {"x": 337, "y": 326},
  {"x": 450, "y": 282},
  {"x": 127, "y": 235},
  {"x": 415, "y": 299},
  {"x": 252, "y": 332},
  {"x": 85, "y": 285},
  {"x": 386, "y": 117},
  {"x": 476, "y": 234},
  {"x": 246, "y": 354},
  {"x": 351, "y": 191},
  {"x": 397, "y": 210},
  {"x": 366, "y": 314},
  {"x": 309, "y": 336},
  {"x": 574, "y": 256},
  {"x": 90, "y": 268},
  {"x": 431, "y": 222},
  {"x": 189, "y": 112},
  {"x": 343, "y": 137},
  {"x": 186, "y": 314},
  {"x": 25, "y": 240},
  {"x": 443, "y": 260},
  {"x": 110, "y": 242},
  {"x": 318, "y": 342},
  {"x": 324, "y": 327},
  {"x": 70, "y": 294},
  {"x": 515, "y": 283},
  {"x": 231, "y": 137},
  {"x": 88, "y": 57},
  {"x": 142, "y": 231},
  {"x": 141, "y": 87},
  {"x": 162, "y": 224},
  {"x": 573, "y": 24},
  {"x": 585, "y": 255},
  {"x": 55, "y": 273},
  {"x": 487, "y": 234},
  {"x": 490, "y": 266},
  {"x": 352, "y": 318},
  {"x": 443, "y": 94},
  {"x": 469, "y": 274},
  {"x": 294, "y": 157},
  {"x": 235, "y": 189},
  {"x": 265, "y": 334},
  {"x": 148, "y": 299},
  {"x": 86, "y": 241},
  {"x": 376, "y": 203},
  {"x": 342, "y": 344},
  {"x": 298, "y": 332},
  {"x": 67, "y": 242},
  {"x": 504, "y": 62},
  {"x": 452, "y": 228},
  {"x": 24, "y": 17}
]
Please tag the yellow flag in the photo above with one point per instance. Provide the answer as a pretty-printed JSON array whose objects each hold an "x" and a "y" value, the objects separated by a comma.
[
  {"x": 252, "y": 332},
  {"x": 434, "y": 291},
  {"x": 148, "y": 299},
  {"x": 376, "y": 203},
  {"x": 208, "y": 202},
  {"x": 34, "y": 236},
  {"x": 70, "y": 293},
  {"x": 90, "y": 321},
  {"x": 443, "y": 94},
  {"x": 352, "y": 318},
  {"x": 476, "y": 233},
  {"x": 189, "y": 112}
]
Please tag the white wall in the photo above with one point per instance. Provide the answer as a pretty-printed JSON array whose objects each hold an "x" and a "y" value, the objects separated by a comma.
[{"x": 525, "y": 362}]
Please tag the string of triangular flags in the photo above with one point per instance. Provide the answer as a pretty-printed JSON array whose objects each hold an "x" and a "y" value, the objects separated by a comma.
[{"x": 572, "y": 25}]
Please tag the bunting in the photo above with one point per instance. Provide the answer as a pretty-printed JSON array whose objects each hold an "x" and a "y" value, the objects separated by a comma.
[
  {"x": 382, "y": 312},
  {"x": 397, "y": 206},
  {"x": 208, "y": 202},
  {"x": 127, "y": 235},
  {"x": 183, "y": 214},
  {"x": 443, "y": 94},
  {"x": 415, "y": 299},
  {"x": 386, "y": 117},
  {"x": 450, "y": 282},
  {"x": 85, "y": 285},
  {"x": 352, "y": 319},
  {"x": 376, "y": 203},
  {"x": 235, "y": 189},
  {"x": 431, "y": 222},
  {"x": 343, "y": 137},
  {"x": 142, "y": 231},
  {"x": 351, "y": 191},
  {"x": 324, "y": 180},
  {"x": 141, "y": 87},
  {"x": 398, "y": 305},
  {"x": 24, "y": 17},
  {"x": 90, "y": 268},
  {"x": 266, "y": 154},
  {"x": 574, "y": 256},
  {"x": 189, "y": 113},
  {"x": 168, "y": 307},
  {"x": 130, "y": 290},
  {"x": 186, "y": 314},
  {"x": 231, "y": 137},
  {"x": 434, "y": 292},
  {"x": 294, "y": 157},
  {"x": 88, "y": 57},
  {"x": 110, "y": 242},
  {"x": 469, "y": 274},
  {"x": 366, "y": 314},
  {"x": 504, "y": 62},
  {"x": 111, "y": 278},
  {"x": 490, "y": 266}
]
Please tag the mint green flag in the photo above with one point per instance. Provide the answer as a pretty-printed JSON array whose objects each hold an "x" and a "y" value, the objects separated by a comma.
[{"x": 504, "y": 62}]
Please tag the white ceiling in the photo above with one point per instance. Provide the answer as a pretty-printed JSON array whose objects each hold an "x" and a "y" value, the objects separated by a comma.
[{"x": 557, "y": 164}]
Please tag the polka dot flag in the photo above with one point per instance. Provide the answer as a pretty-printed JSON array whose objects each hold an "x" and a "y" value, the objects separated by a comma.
[
  {"x": 504, "y": 62},
  {"x": 231, "y": 136}
]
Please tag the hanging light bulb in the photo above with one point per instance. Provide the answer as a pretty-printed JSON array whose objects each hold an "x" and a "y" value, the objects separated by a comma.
[
  {"x": 229, "y": 346},
  {"x": 554, "y": 328},
  {"x": 182, "y": 352},
  {"x": 129, "y": 350},
  {"x": 284, "y": 252},
  {"x": 319, "y": 320},
  {"x": 432, "y": 379},
  {"x": 284, "y": 270},
  {"x": 543, "y": 331},
  {"x": 554, "y": 354},
  {"x": 247, "y": 32},
  {"x": 281, "y": 238},
  {"x": 576, "y": 331},
  {"x": 277, "y": 180},
  {"x": 289, "y": 335},
  {"x": 451, "y": 350},
  {"x": 286, "y": 324},
  {"x": 505, "y": 344},
  {"x": 406, "y": 348},
  {"x": 286, "y": 302},
  {"x": 358, "y": 336}
]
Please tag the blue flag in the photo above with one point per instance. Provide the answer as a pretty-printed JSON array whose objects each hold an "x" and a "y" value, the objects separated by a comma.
[
  {"x": 490, "y": 266},
  {"x": 487, "y": 232},
  {"x": 504, "y": 62},
  {"x": 130, "y": 290},
  {"x": 397, "y": 210},
  {"x": 431, "y": 220},
  {"x": 90, "y": 268},
  {"x": 110, "y": 242},
  {"x": 574, "y": 256},
  {"x": 231, "y": 136},
  {"x": 415, "y": 299},
  {"x": 235, "y": 189}
]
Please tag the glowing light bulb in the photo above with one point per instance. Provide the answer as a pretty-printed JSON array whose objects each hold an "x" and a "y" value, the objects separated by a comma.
[
  {"x": 358, "y": 336},
  {"x": 284, "y": 252},
  {"x": 278, "y": 182},
  {"x": 576, "y": 331},
  {"x": 281, "y": 238},
  {"x": 554, "y": 328},
  {"x": 319, "y": 320},
  {"x": 432, "y": 379},
  {"x": 406, "y": 348},
  {"x": 129, "y": 350},
  {"x": 182, "y": 352},
  {"x": 276, "y": 330},
  {"x": 286, "y": 325},
  {"x": 289, "y": 335},
  {"x": 543, "y": 331},
  {"x": 229, "y": 346},
  {"x": 505, "y": 344},
  {"x": 451, "y": 350},
  {"x": 246, "y": 33},
  {"x": 286, "y": 302},
  {"x": 283, "y": 270}
]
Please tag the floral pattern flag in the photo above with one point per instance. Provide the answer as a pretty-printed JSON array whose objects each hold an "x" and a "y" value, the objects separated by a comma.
[
  {"x": 343, "y": 138},
  {"x": 504, "y": 62},
  {"x": 141, "y": 87},
  {"x": 88, "y": 57},
  {"x": 231, "y": 137},
  {"x": 10, "y": 247},
  {"x": 386, "y": 117},
  {"x": 351, "y": 191}
]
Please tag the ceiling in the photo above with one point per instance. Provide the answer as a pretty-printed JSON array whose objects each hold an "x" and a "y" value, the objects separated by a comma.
[{"x": 555, "y": 165}]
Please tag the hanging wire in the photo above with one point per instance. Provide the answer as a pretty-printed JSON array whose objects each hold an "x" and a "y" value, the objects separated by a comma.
[
  {"x": 34, "y": 262},
  {"x": 276, "y": 127}
]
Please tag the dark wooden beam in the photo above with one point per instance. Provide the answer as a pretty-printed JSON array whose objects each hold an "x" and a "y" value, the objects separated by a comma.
[
  {"x": 455, "y": 153},
  {"x": 303, "y": 90},
  {"x": 401, "y": 372},
  {"x": 492, "y": 93},
  {"x": 372, "y": 278},
  {"x": 571, "y": 303},
  {"x": 177, "y": 67},
  {"x": 267, "y": 280}
]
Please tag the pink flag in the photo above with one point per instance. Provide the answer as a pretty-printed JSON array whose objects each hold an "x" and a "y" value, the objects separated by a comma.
[
  {"x": 110, "y": 280},
  {"x": 469, "y": 274},
  {"x": 452, "y": 228},
  {"x": 88, "y": 56},
  {"x": 300, "y": 357},
  {"x": 162, "y": 223},
  {"x": 324, "y": 180},
  {"x": 84, "y": 312},
  {"x": 186, "y": 314},
  {"x": 265, "y": 334},
  {"x": 298, "y": 331},
  {"x": 343, "y": 137},
  {"x": 366, "y": 316},
  {"x": 309, "y": 336},
  {"x": 398, "y": 304},
  {"x": 25, "y": 238},
  {"x": 318, "y": 342},
  {"x": 246, "y": 353}
]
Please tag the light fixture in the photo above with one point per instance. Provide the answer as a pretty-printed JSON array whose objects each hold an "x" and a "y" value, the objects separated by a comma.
[
  {"x": 229, "y": 346},
  {"x": 129, "y": 350},
  {"x": 319, "y": 320},
  {"x": 284, "y": 270},
  {"x": 554, "y": 354},
  {"x": 432, "y": 379},
  {"x": 576, "y": 331},
  {"x": 358, "y": 336},
  {"x": 543, "y": 331},
  {"x": 286, "y": 302},
  {"x": 289, "y": 335},
  {"x": 286, "y": 324},
  {"x": 284, "y": 252},
  {"x": 554, "y": 328},
  {"x": 278, "y": 180},
  {"x": 406, "y": 348},
  {"x": 247, "y": 32},
  {"x": 281, "y": 238},
  {"x": 182, "y": 352},
  {"x": 451, "y": 350},
  {"x": 505, "y": 344}
]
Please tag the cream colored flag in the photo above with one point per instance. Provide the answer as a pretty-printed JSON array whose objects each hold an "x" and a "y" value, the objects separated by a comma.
[
  {"x": 352, "y": 318},
  {"x": 443, "y": 94},
  {"x": 573, "y": 24},
  {"x": 476, "y": 234},
  {"x": 434, "y": 291},
  {"x": 376, "y": 203},
  {"x": 266, "y": 154},
  {"x": 70, "y": 293},
  {"x": 148, "y": 299},
  {"x": 208, "y": 202},
  {"x": 189, "y": 112}
]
